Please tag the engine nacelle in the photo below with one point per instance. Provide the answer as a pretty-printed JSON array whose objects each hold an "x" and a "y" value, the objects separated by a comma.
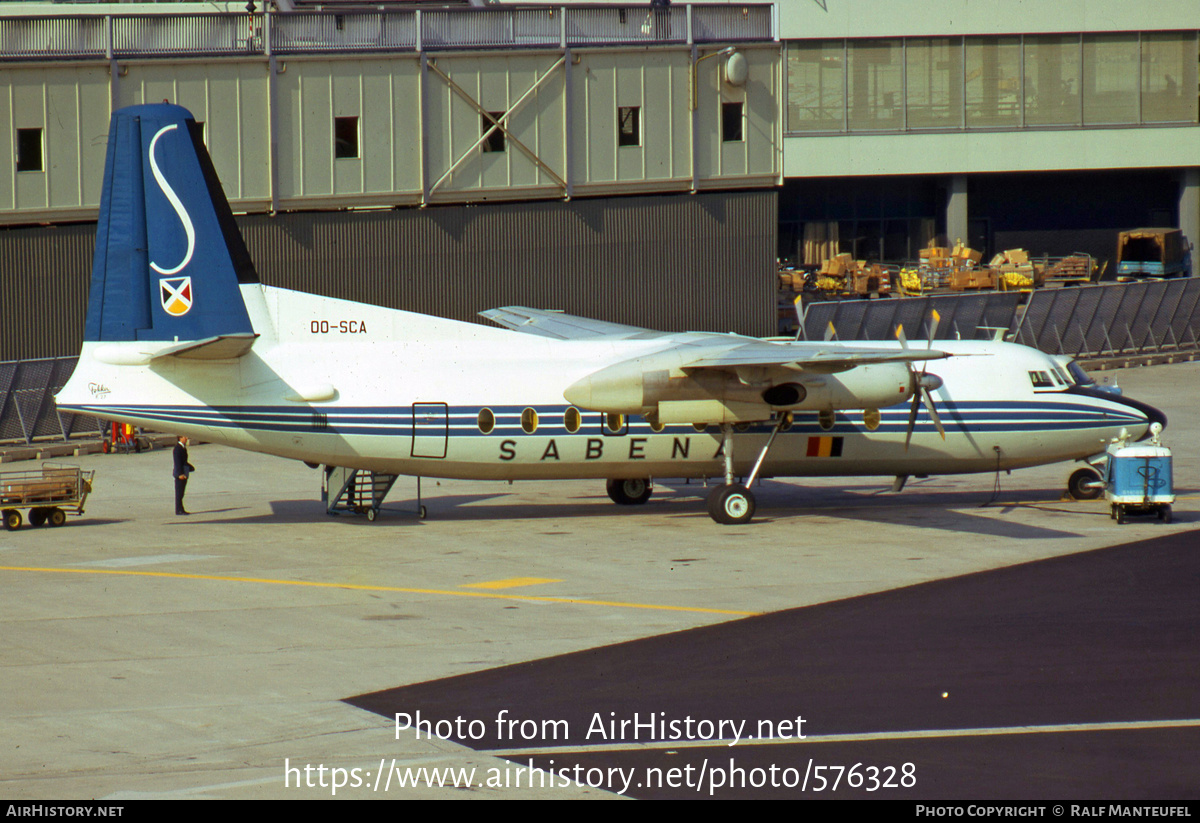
[{"x": 632, "y": 388}]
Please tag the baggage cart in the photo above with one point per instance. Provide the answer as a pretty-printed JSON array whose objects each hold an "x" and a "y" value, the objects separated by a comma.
[{"x": 48, "y": 493}]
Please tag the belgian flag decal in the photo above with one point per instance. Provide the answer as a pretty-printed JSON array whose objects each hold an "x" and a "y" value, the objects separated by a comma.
[{"x": 824, "y": 447}]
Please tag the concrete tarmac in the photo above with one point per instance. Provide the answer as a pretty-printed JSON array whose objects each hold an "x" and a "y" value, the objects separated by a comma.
[{"x": 260, "y": 649}]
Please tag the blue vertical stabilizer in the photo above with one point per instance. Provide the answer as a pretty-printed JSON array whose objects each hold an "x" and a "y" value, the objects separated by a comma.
[{"x": 169, "y": 257}]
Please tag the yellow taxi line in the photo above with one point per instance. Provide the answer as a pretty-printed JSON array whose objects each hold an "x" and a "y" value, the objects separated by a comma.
[{"x": 359, "y": 587}]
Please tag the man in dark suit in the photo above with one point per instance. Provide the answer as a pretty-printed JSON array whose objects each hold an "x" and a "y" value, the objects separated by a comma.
[{"x": 181, "y": 471}]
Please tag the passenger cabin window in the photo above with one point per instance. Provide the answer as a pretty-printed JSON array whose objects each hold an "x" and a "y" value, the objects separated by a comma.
[
  {"x": 825, "y": 418},
  {"x": 486, "y": 421},
  {"x": 529, "y": 421},
  {"x": 571, "y": 419}
]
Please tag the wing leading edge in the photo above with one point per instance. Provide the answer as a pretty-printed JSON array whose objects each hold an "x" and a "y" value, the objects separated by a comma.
[{"x": 560, "y": 326}]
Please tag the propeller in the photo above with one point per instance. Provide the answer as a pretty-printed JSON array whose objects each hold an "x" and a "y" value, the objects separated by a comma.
[{"x": 923, "y": 384}]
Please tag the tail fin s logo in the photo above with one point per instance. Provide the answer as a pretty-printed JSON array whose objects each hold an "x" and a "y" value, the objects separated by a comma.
[
  {"x": 176, "y": 204},
  {"x": 176, "y": 295}
]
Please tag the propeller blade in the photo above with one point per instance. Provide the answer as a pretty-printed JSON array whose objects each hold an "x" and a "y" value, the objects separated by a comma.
[
  {"x": 912, "y": 416},
  {"x": 934, "y": 320},
  {"x": 900, "y": 336},
  {"x": 830, "y": 332},
  {"x": 937, "y": 421}
]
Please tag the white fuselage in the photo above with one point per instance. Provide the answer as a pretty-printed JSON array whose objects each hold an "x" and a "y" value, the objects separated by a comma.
[{"x": 347, "y": 384}]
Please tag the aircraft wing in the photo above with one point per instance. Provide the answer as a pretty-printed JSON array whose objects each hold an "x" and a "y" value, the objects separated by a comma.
[
  {"x": 560, "y": 326},
  {"x": 804, "y": 356}
]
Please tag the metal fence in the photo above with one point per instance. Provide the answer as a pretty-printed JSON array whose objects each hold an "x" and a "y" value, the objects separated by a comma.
[
  {"x": 115, "y": 36},
  {"x": 27, "y": 410},
  {"x": 963, "y": 317},
  {"x": 1117, "y": 319}
]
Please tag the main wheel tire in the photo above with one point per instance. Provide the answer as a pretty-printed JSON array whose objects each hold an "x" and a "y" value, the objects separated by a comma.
[
  {"x": 1079, "y": 484},
  {"x": 12, "y": 519},
  {"x": 731, "y": 505},
  {"x": 632, "y": 492},
  {"x": 56, "y": 516}
]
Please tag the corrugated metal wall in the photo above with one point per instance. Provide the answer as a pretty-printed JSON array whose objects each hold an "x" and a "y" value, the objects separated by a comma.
[
  {"x": 673, "y": 262},
  {"x": 44, "y": 274}
]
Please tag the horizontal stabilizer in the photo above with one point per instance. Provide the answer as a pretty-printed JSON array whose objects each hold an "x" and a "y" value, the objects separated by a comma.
[
  {"x": 224, "y": 347},
  {"x": 131, "y": 353},
  {"x": 560, "y": 326}
]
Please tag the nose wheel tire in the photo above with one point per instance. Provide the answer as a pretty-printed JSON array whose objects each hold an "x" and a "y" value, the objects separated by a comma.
[
  {"x": 731, "y": 504},
  {"x": 1084, "y": 484},
  {"x": 631, "y": 492}
]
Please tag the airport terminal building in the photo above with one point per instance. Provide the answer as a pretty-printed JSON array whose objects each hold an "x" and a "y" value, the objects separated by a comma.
[{"x": 643, "y": 163}]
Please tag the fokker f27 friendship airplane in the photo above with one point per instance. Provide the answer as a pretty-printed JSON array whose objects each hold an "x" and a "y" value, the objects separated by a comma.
[{"x": 181, "y": 336}]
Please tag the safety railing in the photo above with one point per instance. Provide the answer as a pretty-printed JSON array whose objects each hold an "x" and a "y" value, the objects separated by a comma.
[{"x": 162, "y": 35}]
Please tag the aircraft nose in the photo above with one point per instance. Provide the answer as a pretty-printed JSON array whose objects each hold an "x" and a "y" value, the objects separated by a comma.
[
  {"x": 1153, "y": 414},
  {"x": 1156, "y": 415}
]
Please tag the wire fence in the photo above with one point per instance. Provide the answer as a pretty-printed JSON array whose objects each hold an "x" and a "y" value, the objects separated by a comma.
[
  {"x": 27, "y": 410},
  {"x": 1113, "y": 319}
]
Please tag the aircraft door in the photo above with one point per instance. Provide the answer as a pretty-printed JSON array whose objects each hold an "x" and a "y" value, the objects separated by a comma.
[{"x": 431, "y": 427}]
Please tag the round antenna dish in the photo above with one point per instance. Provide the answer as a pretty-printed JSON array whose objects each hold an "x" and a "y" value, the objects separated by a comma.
[{"x": 736, "y": 69}]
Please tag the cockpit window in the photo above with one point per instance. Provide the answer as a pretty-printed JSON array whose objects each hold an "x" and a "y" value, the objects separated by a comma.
[
  {"x": 1041, "y": 380},
  {"x": 1082, "y": 378}
]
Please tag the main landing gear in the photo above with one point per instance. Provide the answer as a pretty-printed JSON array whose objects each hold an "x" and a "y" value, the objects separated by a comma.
[
  {"x": 730, "y": 503},
  {"x": 633, "y": 492},
  {"x": 733, "y": 503}
]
